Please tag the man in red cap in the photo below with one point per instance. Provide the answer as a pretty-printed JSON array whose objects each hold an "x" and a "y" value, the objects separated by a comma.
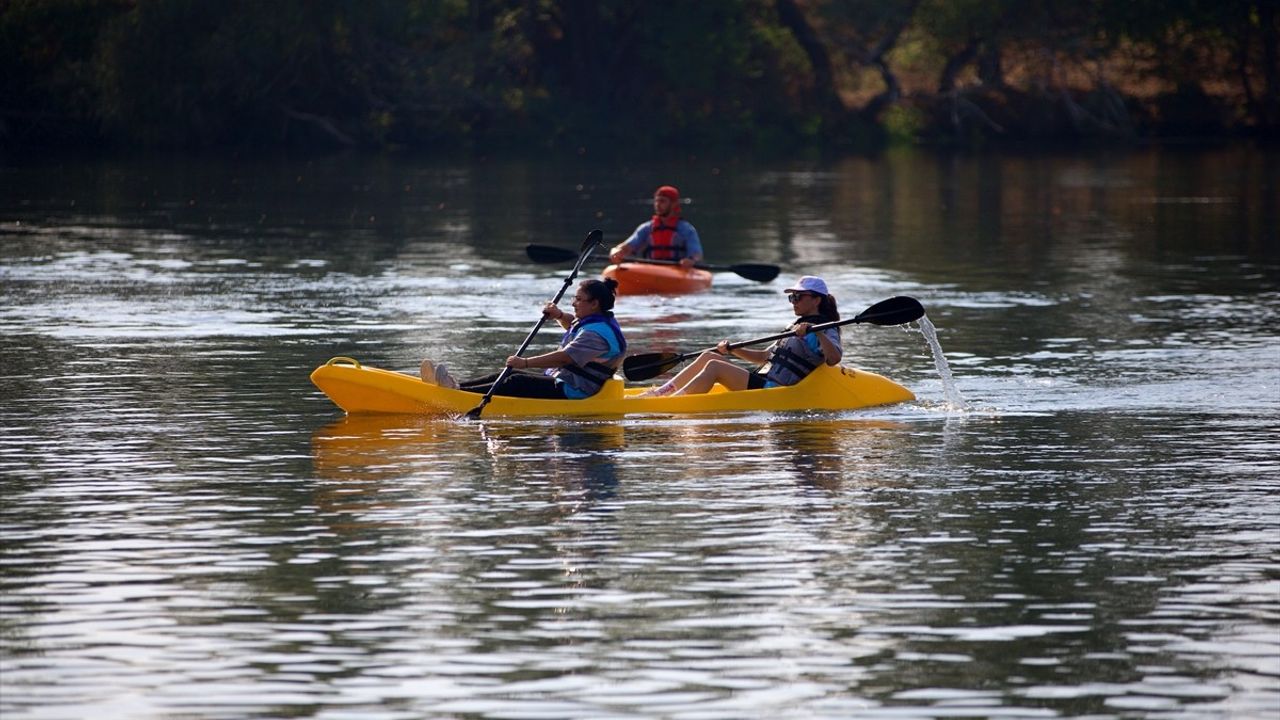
[{"x": 666, "y": 236}]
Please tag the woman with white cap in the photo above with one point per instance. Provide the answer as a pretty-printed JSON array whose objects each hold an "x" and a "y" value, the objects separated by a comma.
[{"x": 786, "y": 362}]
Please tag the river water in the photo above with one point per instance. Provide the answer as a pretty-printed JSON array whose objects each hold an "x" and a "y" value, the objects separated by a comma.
[{"x": 1086, "y": 524}]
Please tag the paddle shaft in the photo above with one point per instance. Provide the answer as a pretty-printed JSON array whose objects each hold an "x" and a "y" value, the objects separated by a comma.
[
  {"x": 894, "y": 311},
  {"x": 592, "y": 242},
  {"x": 752, "y": 271},
  {"x": 780, "y": 336}
]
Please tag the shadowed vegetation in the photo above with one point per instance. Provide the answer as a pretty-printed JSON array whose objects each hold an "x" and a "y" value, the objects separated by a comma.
[{"x": 779, "y": 74}]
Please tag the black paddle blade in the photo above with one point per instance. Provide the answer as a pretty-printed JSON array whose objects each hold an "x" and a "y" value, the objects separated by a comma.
[
  {"x": 649, "y": 365},
  {"x": 756, "y": 271},
  {"x": 898, "y": 310},
  {"x": 552, "y": 254},
  {"x": 549, "y": 254}
]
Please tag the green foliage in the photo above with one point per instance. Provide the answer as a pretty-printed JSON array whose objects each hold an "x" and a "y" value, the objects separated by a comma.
[
  {"x": 433, "y": 73},
  {"x": 904, "y": 124},
  {"x": 47, "y": 51}
]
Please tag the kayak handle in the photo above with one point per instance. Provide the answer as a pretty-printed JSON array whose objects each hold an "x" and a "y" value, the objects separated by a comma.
[{"x": 350, "y": 361}]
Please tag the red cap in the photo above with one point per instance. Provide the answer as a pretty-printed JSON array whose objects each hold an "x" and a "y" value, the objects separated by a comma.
[{"x": 668, "y": 191}]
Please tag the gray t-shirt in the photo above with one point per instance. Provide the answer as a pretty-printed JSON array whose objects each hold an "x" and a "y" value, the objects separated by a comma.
[{"x": 587, "y": 346}]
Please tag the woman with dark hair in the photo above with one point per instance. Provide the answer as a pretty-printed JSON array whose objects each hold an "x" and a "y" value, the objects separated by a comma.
[
  {"x": 786, "y": 362},
  {"x": 590, "y": 352}
]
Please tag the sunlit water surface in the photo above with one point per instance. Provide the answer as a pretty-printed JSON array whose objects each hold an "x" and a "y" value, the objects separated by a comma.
[{"x": 1086, "y": 524}]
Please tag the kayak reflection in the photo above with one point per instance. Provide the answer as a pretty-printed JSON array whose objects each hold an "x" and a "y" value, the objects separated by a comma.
[
  {"x": 824, "y": 454},
  {"x": 370, "y": 455},
  {"x": 797, "y": 449}
]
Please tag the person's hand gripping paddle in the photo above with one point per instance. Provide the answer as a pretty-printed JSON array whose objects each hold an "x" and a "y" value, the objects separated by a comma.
[
  {"x": 591, "y": 243},
  {"x": 898, "y": 310}
]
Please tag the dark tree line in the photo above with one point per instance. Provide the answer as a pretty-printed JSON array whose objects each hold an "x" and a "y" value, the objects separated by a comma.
[{"x": 773, "y": 73}]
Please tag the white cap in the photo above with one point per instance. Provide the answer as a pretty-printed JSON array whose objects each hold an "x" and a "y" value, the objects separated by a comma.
[{"x": 809, "y": 283}]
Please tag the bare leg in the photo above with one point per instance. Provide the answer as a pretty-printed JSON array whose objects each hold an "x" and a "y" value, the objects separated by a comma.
[
  {"x": 684, "y": 376},
  {"x": 714, "y": 370},
  {"x": 692, "y": 369}
]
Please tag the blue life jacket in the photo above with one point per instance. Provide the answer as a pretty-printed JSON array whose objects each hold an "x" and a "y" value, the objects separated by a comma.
[{"x": 588, "y": 379}]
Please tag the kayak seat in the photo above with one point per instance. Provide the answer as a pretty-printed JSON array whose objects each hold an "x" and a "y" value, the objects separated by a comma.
[{"x": 612, "y": 390}]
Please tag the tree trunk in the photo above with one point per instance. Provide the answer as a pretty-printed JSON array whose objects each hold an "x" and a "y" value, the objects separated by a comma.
[
  {"x": 892, "y": 91},
  {"x": 956, "y": 63},
  {"x": 824, "y": 87},
  {"x": 991, "y": 65},
  {"x": 875, "y": 58},
  {"x": 1270, "y": 63}
]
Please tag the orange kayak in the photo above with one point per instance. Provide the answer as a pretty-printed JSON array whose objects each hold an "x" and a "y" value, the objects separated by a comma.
[{"x": 647, "y": 279}]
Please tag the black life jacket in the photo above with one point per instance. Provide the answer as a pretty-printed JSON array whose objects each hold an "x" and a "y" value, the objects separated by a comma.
[{"x": 792, "y": 359}]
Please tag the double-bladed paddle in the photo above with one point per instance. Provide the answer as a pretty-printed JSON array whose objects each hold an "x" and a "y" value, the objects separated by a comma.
[
  {"x": 751, "y": 271},
  {"x": 591, "y": 243},
  {"x": 894, "y": 311}
]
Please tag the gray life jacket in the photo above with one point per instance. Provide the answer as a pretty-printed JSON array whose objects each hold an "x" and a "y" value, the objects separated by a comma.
[{"x": 792, "y": 358}]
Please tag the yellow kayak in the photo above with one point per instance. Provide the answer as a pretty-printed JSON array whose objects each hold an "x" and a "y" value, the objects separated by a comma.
[{"x": 359, "y": 389}]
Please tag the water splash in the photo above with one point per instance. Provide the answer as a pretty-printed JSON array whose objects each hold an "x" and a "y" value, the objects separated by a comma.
[{"x": 954, "y": 399}]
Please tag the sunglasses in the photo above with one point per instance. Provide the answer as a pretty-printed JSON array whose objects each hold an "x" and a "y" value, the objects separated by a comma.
[{"x": 795, "y": 296}]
